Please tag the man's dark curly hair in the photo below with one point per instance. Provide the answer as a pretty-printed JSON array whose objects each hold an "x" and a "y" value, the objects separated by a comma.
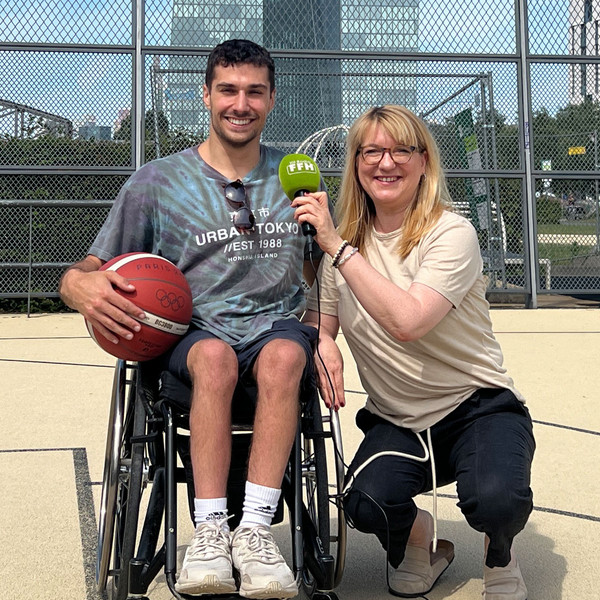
[{"x": 235, "y": 52}]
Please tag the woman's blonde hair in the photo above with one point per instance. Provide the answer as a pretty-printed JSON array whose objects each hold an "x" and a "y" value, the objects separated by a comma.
[{"x": 355, "y": 210}]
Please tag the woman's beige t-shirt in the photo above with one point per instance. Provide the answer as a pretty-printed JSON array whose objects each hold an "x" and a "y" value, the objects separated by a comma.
[{"x": 416, "y": 384}]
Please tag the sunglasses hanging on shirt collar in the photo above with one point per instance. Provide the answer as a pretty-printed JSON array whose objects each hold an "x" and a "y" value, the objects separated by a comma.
[{"x": 243, "y": 217}]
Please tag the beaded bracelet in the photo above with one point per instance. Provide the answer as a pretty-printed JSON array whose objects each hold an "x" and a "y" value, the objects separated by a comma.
[
  {"x": 349, "y": 255},
  {"x": 336, "y": 256}
]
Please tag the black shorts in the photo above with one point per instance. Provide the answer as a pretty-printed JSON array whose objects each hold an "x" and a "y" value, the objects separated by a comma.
[{"x": 287, "y": 329}]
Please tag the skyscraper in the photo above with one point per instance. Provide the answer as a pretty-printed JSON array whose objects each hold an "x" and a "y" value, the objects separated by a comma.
[
  {"x": 312, "y": 92},
  {"x": 308, "y": 90},
  {"x": 379, "y": 26},
  {"x": 584, "y": 41},
  {"x": 200, "y": 23}
]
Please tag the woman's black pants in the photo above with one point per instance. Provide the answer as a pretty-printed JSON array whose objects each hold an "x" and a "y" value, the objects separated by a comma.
[{"x": 485, "y": 445}]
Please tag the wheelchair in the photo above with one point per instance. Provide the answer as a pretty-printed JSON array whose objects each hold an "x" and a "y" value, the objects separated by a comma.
[{"x": 147, "y": 454}]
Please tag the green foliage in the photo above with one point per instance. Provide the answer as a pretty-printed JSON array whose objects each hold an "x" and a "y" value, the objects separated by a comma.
[
  {"x": 36, "y": 305},
  {"x": 153, "y": 125},
  {"x": 123, "y": 133},
  {"x": 176, "y": 141},
  {"x": 548, "y": 210},
  {"x": 57, "y": 151},
  {"x": 62, "y": 151},
  {"x": 333, "y": 187},
  {"x": 52, "y": 150},
  {"x": 575, "y": 248},
  {"x": 160, "y": 139},
  {"x": 576, "y": 125},
  {"x": 60, "y": 187},
  {"x": 150, "y": 129}
]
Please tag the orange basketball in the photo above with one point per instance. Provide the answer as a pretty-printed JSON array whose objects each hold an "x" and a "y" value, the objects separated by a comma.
[{"x": 163, "y": 293}]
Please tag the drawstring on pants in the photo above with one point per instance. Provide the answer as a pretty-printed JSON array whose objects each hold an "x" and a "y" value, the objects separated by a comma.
[{"x": 427, "y": 455}]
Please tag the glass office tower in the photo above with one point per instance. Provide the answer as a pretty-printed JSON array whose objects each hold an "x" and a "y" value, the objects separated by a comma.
[
  {"x": 313, "y": 91},
  {"x": 584, "y": 40}
]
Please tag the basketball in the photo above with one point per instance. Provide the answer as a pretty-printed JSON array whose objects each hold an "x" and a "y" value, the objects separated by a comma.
[{"x": 163, "y": 293}]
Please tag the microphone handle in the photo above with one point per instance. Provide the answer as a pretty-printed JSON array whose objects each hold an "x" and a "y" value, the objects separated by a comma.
[{"x": 307, "y": 228}]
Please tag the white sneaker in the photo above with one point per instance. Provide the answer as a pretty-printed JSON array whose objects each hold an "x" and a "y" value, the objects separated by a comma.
[
  {"x": 263, "y": 571},
  {"x": 504, "y": 583},
  {"x": 417, "y": 574},
  {"x": 206, "y": 566}
]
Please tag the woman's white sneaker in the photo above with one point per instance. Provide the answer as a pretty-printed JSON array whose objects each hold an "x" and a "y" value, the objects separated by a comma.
[{"x": 504, "y": 583}]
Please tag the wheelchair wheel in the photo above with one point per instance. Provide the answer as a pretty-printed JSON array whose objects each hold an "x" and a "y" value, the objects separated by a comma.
[
  {"x": 322, "y": 436},
  {"x": 335, "y": 503},
  {"x": 121, "y": 486},
  {"x": 315, "y": 483}
]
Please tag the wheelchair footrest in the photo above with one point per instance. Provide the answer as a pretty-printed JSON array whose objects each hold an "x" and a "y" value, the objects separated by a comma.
[
  {"x": 322, "y": 568},
  {"x": 149, "y": 437},
  {"x": 137, "y": 587},
  {"x": 313, "y": 435},
  {"x": 324, "y": 596}
]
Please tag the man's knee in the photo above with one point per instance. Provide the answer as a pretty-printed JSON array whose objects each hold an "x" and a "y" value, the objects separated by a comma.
[
  {"x": 362, "y": 511},
  {"x": 213, "y": 360},
  {"x": 280, "y": 362}
]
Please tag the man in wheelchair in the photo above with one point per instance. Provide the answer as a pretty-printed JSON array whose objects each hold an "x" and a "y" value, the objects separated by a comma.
[{"x": 219, "y": 213}]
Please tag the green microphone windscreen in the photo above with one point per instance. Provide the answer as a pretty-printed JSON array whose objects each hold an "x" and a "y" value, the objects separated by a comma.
[{"x": 298, "y": 173}]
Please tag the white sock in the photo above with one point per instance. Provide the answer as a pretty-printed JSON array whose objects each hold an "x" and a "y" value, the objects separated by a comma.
[
  {"x": 260, "y": 504},
  {"x": 208, "y": 509}
]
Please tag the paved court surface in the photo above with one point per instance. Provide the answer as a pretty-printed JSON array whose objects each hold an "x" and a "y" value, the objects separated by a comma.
[{"x": 55, "y": 392}]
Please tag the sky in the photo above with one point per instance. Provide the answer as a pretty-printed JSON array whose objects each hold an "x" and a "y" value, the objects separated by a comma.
[{"x": 75, "y": 85}]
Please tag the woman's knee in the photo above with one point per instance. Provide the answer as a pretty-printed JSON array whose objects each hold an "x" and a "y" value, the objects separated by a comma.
[
  {"x": 364, "y": 512},
  {"x": 371, "y": 509},
  {"x": 498, "y": 507}
]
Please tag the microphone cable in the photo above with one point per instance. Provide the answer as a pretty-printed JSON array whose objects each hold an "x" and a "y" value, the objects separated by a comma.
[
  {"x": 387, "y": 530},
  {"x": 335, "y": 499},
  {"x": 318, "y": 293}
]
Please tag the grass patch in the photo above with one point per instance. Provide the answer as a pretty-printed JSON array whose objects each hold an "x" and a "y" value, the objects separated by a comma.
[
  {"x": 570, "y": 228},
  {"x": 564, "y": 252}
]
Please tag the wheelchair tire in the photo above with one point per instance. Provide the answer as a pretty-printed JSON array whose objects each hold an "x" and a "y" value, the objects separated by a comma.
[
  {"x": 317, "y": 499},
  {"x": 339, "y": 468},
  {"x": 315, "y": 492},
  {"x": 106, "y": 521},
  {"x": 122, "y": 486}
]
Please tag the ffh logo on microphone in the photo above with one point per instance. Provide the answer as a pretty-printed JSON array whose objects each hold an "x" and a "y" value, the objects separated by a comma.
[{"x": 300, "y": 166}]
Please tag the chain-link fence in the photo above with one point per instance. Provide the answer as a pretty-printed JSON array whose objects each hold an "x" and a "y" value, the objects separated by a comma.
[{"x": 89, "y": 91}]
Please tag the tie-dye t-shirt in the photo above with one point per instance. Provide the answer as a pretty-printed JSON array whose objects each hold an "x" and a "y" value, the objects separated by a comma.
[{"x": 241, "y": 282}]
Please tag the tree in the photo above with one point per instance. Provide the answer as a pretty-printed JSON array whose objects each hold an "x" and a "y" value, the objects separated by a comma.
[
  {"x": 569, "y": 141},
  {"x": 161, "y": 128},
  {"x": 150, "y": 131},
  {"x": 123, "y": 133},
  {"x": 160, "y": 139}
]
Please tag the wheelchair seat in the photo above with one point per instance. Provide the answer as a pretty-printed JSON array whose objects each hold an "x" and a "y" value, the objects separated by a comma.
[
  {"x": 178, "y": 394},
  {"x": 147, "y": 449}
]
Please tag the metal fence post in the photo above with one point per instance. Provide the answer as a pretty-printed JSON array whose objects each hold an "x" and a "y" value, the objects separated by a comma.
[
  {"x": 30, "y": 267},
  {"x": 137, "y": 116},
  {"x": 525, "y": 110}
]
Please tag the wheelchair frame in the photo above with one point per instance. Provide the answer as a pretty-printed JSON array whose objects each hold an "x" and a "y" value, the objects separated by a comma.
[{"x": 142, "y": 447}]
